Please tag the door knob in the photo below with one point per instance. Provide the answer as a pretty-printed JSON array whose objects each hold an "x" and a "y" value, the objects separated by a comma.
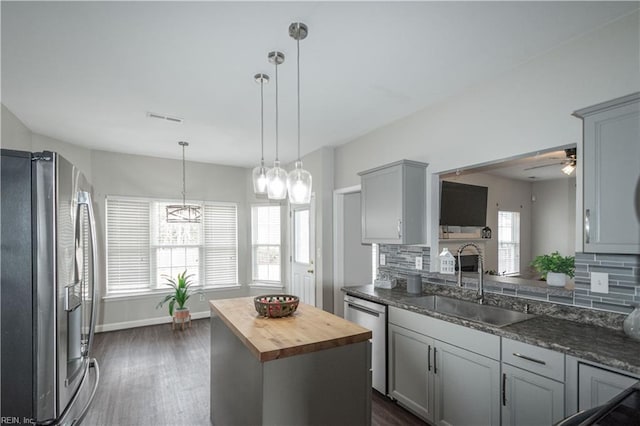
[{"x": 310, "y": 271}]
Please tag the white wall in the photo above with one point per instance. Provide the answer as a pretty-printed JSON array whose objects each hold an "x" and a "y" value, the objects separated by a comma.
[
  {"x": 525, "y": 110},
  {"x": 503, "y": 194},
  {"x": 554, "y": 217}
]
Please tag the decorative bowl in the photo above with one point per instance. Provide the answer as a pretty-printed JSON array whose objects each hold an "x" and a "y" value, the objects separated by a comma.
[{"x": 276, "y": 305}]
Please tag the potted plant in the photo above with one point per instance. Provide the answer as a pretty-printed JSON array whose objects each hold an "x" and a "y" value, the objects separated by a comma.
[
  {"x": 178, "y": 298},
  {"x": 555, "y": 268}
]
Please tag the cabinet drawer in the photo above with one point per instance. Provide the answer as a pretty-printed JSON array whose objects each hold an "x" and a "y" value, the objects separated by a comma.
[{"x": 544, "y": 362}]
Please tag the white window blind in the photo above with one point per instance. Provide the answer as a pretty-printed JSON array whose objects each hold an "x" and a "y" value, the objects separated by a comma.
[
  {"x": 143, "y": 248},
  {"x": 265, "y": 236},
  {"x": 221, "y": 248},
  {"x": 508, "y": 242},
  {"x": 128, "y": 266}
]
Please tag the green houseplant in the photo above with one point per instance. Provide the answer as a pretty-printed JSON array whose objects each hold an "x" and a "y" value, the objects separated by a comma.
[
  {"x": 555, "y": 268},
  {"x": 181, "y": 293}
]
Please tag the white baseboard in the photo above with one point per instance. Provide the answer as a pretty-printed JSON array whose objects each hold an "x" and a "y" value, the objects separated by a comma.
[{"x": 145, "y": 322}]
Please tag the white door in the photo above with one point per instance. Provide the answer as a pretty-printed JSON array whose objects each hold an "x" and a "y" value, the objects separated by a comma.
[{"x": 303, "y": 277}]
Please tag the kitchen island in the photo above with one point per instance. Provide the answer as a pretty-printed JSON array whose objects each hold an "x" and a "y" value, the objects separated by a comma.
[{"x": 309, "y": 368}]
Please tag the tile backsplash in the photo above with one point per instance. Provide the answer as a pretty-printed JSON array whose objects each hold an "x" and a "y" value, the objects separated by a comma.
[
  {"x": 623, "y": 270},
  {"x": 624, "y": 281}
]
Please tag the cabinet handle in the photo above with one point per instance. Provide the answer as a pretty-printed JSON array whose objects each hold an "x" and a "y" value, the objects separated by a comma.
[
  {"x": 537, "y": 361},
  {"x": 429, "y": 359},
  {"x": 587, "y": 226},
  {"x": 435, "y": 364},
  {"x": 399, "y": 228},
  {"x": 504, "y": 389}
]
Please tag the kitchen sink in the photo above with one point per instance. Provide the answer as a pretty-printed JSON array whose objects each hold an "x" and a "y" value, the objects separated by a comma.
[{"x": 471, "y": 311}]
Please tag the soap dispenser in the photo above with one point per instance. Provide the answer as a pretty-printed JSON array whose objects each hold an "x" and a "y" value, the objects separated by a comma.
[{"x": 447, "y": 262}]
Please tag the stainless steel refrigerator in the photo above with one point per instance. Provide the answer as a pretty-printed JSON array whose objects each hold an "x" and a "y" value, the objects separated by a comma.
[{"x": 48, "y": 290}]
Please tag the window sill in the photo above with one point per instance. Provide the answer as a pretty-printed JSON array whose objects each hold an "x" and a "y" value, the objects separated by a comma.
[
  {"x": 274, "y": 286},
  {"x": 159, "y": 292}
]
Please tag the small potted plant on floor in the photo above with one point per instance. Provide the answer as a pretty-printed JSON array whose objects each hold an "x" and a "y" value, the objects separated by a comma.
[
  {"x": 555, "y": 268},
  {"x": 178, "y": 298}
]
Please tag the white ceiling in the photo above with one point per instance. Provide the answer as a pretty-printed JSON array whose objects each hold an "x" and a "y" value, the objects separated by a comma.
[
  {"x": 88, "y": 72},
  {"x": 535, "y": 167}
]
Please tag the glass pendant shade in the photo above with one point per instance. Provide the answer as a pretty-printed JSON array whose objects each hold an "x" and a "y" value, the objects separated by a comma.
[
  {"x": 299, "y": 185},
  {"x": 277, "y": 182},
  {"x": 260, "y": 180}
]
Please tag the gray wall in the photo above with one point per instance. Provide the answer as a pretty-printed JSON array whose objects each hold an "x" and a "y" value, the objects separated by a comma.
[
  {"x": 503, "y": 194},
  {"x": 553, "y": 217},
  {"x": 525, "y": 110},
  {"x": 134, "y": 175},
  {"x": 357, "y": 270},
  {"x": 15, "y": 135}
]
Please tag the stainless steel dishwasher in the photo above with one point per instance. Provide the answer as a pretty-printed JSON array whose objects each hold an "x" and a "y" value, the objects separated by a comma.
[{"x": 374, "y": 317}]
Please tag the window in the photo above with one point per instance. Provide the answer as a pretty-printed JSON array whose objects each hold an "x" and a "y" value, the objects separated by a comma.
[
  {"x": 142, "y": 247},
  {"x": 508, "y": 243},
  {"x": 265, "y": 243}
]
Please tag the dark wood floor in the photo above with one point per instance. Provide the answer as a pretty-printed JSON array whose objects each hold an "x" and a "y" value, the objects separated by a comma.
[{"x": 156, "y": 376}]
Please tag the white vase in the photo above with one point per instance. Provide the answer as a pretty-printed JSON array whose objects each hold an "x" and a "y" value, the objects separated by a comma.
[{"x": 556, "y": 279}]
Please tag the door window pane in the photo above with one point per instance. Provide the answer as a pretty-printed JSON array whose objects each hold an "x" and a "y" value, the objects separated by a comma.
[{"x": 301, "y": 237}]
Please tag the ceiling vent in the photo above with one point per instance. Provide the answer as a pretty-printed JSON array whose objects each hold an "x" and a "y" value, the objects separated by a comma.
[{"x": 165, "y": 117}]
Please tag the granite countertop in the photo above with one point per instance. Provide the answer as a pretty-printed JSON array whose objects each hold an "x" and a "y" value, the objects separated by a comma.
[
  {"x": 307, "y": 330},
  {"x": 590, "y": 342}
]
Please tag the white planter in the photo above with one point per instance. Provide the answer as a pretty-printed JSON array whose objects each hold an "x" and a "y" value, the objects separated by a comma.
[{"x": 556, "y": 279}]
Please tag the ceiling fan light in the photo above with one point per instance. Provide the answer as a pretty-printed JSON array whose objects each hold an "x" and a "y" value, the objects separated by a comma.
[
  {"x": 568, "y": 169},
  {"x": 299, "y": 183},
  {"x": 276, "y": 182}
]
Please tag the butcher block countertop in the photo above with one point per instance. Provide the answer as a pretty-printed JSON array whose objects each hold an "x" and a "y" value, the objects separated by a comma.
[{"x": 308, "y": 330}]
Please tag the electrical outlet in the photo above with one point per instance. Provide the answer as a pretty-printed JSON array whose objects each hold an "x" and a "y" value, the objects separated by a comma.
[
  {"x": 202, "y": 297},
  {"x": 383, "y": 260},
  {"x": 419, "y": 262},
  {"x": 600, "y": 282}
]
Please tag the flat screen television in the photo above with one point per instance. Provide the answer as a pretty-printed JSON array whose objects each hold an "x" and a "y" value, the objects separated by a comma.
[{"x": 462, "y": 204}]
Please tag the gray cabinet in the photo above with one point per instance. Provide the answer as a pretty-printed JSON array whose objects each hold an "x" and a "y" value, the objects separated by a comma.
[
  {"x": 394, "y": 203},
  {"x": 532, "y": 384},
  {"x": 611, "y": 176},
  {"x": 467, "y": 387},
  {"x": 597, "y": 385},
  {"x": 410, "y": 378},
  {"x": 450, "y": 376}
]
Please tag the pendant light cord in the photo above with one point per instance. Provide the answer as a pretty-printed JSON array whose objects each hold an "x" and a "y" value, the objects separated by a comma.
[
  {"x": 184, "y": 178},
  {"x": 262, "y": 121},
  {"x": 276, "y": 63},
  {"x": 298, "y": 46}
]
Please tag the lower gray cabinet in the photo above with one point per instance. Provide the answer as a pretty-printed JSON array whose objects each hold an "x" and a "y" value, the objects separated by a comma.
[
  {"x": 529, "y": 399},
  {"x": 410, "y": 378},
  {"x": 467, "y": 387},
  {"x": 597, "y": 385},
  {"x": 439, "y": 381}
]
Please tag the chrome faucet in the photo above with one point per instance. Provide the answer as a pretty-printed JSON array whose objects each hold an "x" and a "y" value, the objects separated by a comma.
[{"x": 480, "y": 295}]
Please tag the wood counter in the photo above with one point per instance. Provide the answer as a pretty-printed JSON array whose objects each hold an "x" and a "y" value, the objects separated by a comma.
[
  {"x": 311, "y": 368},
  {"x": 309, "y": 329}
]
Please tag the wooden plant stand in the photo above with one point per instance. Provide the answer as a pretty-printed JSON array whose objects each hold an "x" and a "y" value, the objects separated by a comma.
[{"x": 180, "y": 317}]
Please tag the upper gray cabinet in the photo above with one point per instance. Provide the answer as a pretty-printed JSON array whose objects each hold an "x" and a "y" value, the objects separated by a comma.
[
  {"x": 611, "y": 170},
  {"x": 393, "y": 203}
]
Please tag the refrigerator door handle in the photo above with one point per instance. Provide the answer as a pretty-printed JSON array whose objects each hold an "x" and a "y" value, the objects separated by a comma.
[
  {"x": 92, "y": 363},
  {"x": 84, "y": 197}
]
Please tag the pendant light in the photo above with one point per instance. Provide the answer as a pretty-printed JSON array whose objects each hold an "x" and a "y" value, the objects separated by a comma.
[
  {"x": 260, "y": 173},
  {"x": 299, "y": 180},
  {"x": 276, "y": 176},
  {"x": 185, "y": 213}
]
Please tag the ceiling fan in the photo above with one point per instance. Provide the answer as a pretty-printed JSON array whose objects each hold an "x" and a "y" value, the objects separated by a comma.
[{"x": 568, "y": 163}]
